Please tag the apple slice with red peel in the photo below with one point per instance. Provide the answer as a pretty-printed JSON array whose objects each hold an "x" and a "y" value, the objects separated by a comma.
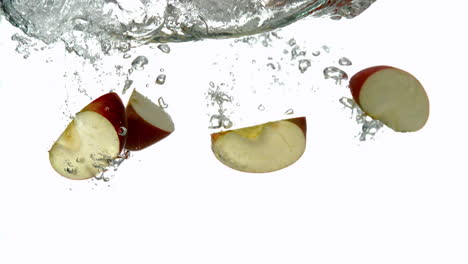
[
  {"x": 391, "y": 95},
  {"x": 262, "y": 148},
  {"x": 92, "y": 139},
  {"x": 148, "y": 123}
]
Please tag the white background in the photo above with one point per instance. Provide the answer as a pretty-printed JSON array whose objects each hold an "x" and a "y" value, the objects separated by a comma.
[{"x": 401, "y": 198}]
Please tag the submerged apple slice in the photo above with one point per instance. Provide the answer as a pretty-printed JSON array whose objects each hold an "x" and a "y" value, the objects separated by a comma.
[
  {"x": 392, "y": 96},
  {"x": 92, "y": 140},
  {"x": 148, "y": 123},
  {"x": 262, "y": 148}
]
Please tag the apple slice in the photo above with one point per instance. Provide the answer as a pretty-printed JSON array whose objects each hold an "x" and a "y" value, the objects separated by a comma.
[
  {"x": 148, "y": 123},
  {"x": 392, "y": 96},
  {"x": 92, "y": 140},
  {"x": 262, "y": 148}
]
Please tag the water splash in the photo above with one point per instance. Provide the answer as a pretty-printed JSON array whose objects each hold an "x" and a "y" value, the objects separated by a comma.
[
  {"x": 369, "y": 126},
  {"x": 92, "y": 28},
  {"x": 217, "y": 98}
]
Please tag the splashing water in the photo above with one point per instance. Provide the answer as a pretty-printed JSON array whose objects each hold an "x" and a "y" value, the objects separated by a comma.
[
  {"x": 91, "y": 28},
  {"x": 217, "y": 98},
  {"x": 369, "y": 126}
]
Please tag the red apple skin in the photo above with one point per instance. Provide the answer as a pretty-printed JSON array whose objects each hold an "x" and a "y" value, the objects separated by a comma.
[
  {"x": 141, "y": 134},
  {"x": 357, "y": 81},
  {"x": 112, "y": 108},
  {"x": 299, "y": 121}
]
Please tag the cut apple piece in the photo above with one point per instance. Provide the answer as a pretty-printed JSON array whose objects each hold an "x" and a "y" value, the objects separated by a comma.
[
  {"x": 262, "y": 148},
  {"x": 92, "y": 140},
  {"x": 148, "y": 123},
  {"x": 392, "y": 96}
]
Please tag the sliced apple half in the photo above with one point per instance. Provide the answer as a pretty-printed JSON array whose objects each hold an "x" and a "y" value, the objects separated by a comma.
[
  {"x": 148, "y": 123},
  {"x": 92, "y": 140},
  {"x": 262, "y": 148},
  {"x": 392, "y": 96}
]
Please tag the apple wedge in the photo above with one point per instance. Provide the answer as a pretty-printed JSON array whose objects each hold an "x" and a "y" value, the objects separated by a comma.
[
  {"x": 148, "y": 123},
  {"x": 92, "y": 140},
  {"x": 262, "y": 148},
  {"x": 392, "y": 96}
]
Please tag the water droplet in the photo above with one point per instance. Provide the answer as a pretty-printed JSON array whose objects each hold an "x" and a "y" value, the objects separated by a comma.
[
  {"x": 127, "y": 85},
  {"x": 261, "y": 107},
  {"x": 254, "y": 61},
  {"x": 335, "y": 73},
  {"x": 139, "y": 63},
  {"x": 161, "y": 70},
  {"x": 292, "y": 42},
  {"x": 80, "y": 159},
  {"x": 212, "y": 85},
  {"x": 343, "y": 61},
  {"x": 161, "y": 79},
  {"x": 316, "y": 53},
  {"x": 107, "y": 109},
  {"x": 304, "y": 65},
  {"x": 162, "y": 103},
  {"x": 164, "y": 48},
  {"x": 126, "y": 56},
  {"x": 289, "y": 112},
  {"x": 122, "y": 131}
]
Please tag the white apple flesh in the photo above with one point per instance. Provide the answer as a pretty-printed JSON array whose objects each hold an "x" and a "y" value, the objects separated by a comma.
[
  {"x": 91, "y": 141},
  {"x": 262, "y": 148},
  {"x": 393, "y": 96},
  {"x": 148, "y": 123}
]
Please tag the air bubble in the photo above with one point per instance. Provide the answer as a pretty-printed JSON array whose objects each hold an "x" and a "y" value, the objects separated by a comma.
[
  {"x": 343, "y": 61},
  {"x": 304, "y": 65},
  {"x": 139, "y": 63},
  {"x": 164, "y": 48},
  {"x": 122, "y": 131},
  {"x": 261, "y": 107},
  {"x": 127, "y": 85},
  {"x": 227, "y": 123},
  {"x": 162, "y": 103},
  {"x": 161, "y": 79},
  {"x": 335, "y": 73}
]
